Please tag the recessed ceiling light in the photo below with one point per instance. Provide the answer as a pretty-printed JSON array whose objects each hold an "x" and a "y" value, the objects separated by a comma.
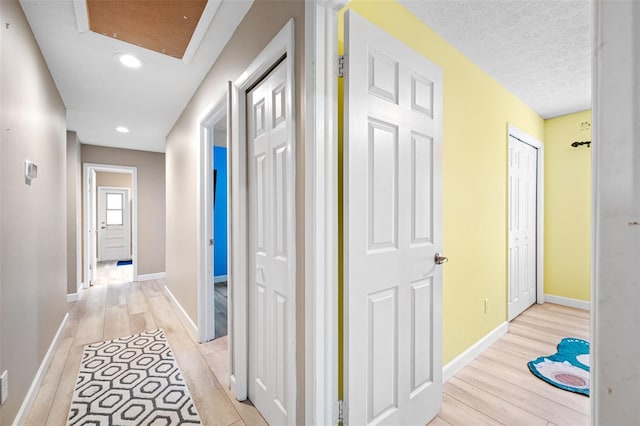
[
  {"x": 128, "y": 60},
  {"x": 122, "y": 129}
]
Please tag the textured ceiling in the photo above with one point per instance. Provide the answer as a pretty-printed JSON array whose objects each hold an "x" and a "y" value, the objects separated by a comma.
[{"x": 539, "y": 50}]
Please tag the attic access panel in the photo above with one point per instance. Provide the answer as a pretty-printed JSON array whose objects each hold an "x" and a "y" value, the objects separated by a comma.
[{"x": 164, "y": 26}]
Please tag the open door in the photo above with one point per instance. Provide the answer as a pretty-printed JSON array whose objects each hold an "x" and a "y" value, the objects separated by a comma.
[
  {"x": 523, "y": 223},
  {"x": 93, "y": 228},
  {"x": 393, "y": 230}
]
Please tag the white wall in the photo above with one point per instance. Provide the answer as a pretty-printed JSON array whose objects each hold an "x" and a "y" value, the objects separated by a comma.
[{"x": 616, "y": 284}]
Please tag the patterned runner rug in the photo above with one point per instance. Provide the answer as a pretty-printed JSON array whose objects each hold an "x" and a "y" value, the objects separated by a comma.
[{"x": 131, "y": 381}]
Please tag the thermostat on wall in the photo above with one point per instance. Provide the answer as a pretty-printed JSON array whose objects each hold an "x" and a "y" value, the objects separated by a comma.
[{"x": 30, "y": 171}]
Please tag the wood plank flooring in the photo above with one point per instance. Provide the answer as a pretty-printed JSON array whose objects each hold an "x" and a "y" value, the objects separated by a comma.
[
  {"x": 115, "y": 308},
  {"x": 220, "y": 303},
  {"x": 496, "y": 388}
]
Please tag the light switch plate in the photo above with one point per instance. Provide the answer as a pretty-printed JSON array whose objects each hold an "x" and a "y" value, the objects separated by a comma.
[
  {"x": 4, "y": 386},
  {"x": 30, "y": 170}
]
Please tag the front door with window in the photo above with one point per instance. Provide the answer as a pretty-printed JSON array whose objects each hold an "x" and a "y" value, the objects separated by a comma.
[{"x": 114, "y": 224}]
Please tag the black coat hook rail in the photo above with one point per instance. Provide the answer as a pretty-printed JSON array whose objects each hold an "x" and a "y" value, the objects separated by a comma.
[{"x": 577, "y": 144}]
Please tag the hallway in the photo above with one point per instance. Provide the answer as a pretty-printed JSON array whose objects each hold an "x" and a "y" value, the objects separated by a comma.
[
  {"x": 496, "y": 388},
  {"x": 112, "y": 309}
]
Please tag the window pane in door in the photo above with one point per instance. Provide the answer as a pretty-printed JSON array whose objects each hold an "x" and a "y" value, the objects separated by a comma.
[
  {"x": 114, "y": 201},
  {"x": 114, "y": 217}
]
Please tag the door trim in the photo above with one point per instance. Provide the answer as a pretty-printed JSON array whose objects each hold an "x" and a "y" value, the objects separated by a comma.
[
  {"x": 321, "y": 207},
  {"x": 281, "y": 45},
  {"x": 109, "y": 168},
  {"x": 206, "y": 306},
  {"x": 539, "y": 146}
]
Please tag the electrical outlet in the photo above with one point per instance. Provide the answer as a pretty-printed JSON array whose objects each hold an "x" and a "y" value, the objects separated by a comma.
[
  {"x": 4, "y": 386},
  {"x": 486, "y": 305}
]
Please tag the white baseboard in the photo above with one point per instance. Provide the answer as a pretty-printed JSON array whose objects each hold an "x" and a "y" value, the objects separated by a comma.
[
  {"x": 220, "y": 279},
  {"x": 149, "y": 277},
  {"x": 73, "y": 297},
  {"x": 567, "y": 301},
  {"x": 459, "y": 362},
  {"x": 29, "y": 399},
  {"x": 182, "y": 314}
]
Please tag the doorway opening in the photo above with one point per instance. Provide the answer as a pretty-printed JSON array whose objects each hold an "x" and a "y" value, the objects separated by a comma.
[
  {"x": 110, "y": 228},
  {"x": 525, "y": 222},
  {"x": 213, "y": 282}
]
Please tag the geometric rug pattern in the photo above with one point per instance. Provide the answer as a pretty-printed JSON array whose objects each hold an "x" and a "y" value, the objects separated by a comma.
[
  {"x": 568, "y": 369},
  {"x": 132, "y": 380}
]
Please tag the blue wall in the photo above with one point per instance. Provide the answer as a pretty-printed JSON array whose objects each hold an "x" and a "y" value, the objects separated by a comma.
[{"x": 220, "y": 212}]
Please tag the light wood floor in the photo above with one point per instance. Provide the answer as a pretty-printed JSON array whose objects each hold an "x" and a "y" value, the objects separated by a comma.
[
  {"x": 113, "y": 308},
  {"x": 496, "y": 388},
  {"x": 220, "y": 306}
]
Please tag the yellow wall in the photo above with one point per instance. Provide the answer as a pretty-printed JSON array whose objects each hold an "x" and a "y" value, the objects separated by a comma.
[
  {"x": 477, "y": 111},
  {"x": 567, "y": 207}
]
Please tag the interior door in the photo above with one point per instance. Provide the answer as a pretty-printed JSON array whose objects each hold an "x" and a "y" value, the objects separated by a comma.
[
  {"x": 523, "y": 177},
  {"x": 93, "y": 228},
  {"x": 270, "y": 176},
  {"x": 393, "y": 229},
  {"x": 114, "y": 224}
]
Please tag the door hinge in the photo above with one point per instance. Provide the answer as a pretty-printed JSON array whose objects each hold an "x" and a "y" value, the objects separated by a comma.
[
  {"x": 341, "y": 66},
  {"x": 340, "y": 413}
]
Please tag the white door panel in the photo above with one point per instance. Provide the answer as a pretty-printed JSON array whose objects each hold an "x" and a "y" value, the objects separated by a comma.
[
  {"x": 393, "y": 229},
  {"x": 523, "y": 166},
  {"x": 270, "y": 227}
]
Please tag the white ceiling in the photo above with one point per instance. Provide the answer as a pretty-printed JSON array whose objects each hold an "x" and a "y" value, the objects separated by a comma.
[
  {"x": 100, "y": 94},
  {"x": 539, "y": 50}
]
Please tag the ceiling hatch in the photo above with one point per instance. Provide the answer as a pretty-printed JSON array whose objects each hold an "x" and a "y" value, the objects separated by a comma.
[{"x": 164, "y": 26}]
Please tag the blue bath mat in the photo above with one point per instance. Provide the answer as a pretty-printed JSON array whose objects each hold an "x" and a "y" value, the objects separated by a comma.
[
  {"x": 568, "y": 369},
  {"x": 124, "y": 262}
]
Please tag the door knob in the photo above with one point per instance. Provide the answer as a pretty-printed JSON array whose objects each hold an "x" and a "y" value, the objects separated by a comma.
[{"x": 439, "y": 259}]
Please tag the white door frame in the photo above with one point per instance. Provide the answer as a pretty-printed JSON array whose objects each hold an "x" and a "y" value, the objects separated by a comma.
[
  {"x": 321, "y": 211},
  {"x": 126, "y": 210},
  {"x": 108, "y": 168},
  {"x": 282, "y": 44},
  {"x": 206, "y": 306},
  {"x": 539, "y": 146}
]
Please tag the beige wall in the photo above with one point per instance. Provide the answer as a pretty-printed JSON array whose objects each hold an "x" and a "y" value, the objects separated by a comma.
[
  {"x": 259, "y": 26},
  {"x": 74, "y": 213},
  {"x": 122, "y": 180},
  {"x": 151, "y": 199},
  {"x": 33, "y": 217}
]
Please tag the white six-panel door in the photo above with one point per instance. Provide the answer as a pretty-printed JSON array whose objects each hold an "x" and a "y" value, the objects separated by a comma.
[
  {"x": 393, "y": 229},
  {"x": 270, "y": 326},
  {"x": 523, "y": 176}
]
